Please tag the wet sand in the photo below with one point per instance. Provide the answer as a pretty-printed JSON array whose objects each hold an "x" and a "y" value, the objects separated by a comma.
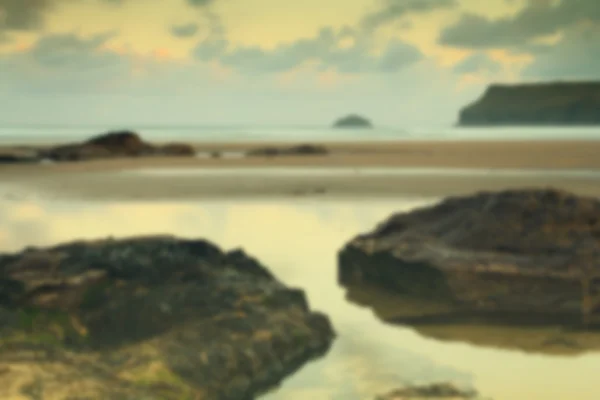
[{"x": 542, "y": 164}]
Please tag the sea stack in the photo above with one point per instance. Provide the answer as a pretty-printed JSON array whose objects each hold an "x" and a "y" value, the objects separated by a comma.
[{"x": 353, "y": 121}]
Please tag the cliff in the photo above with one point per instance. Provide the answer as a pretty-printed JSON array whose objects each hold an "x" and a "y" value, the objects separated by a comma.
[{"x": 559, "y": 103}]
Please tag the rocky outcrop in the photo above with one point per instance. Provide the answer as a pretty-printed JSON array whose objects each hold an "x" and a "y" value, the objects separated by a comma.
[
  {"x": 112, "y": 145},
  {"x": 122, "y": 142},
  {"x": 353, "y": 121},
  {"x": 152, "y": 318},
  {"x": 561, "y": 103},
  {"x": 299, "y": 150},
  {"x": 177, "y": 149},
  {"x": 18, "y": 156},
  {"x": 528, "y": 251}
]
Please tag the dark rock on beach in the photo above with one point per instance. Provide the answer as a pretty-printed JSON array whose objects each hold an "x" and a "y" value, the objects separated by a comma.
[
  {"x": 76, "y": 152},
  {"x": 533, "y": 252},
  {"x": 552, "y": 103},
  {"x": 114, "y": 144},
  {"x": 177, "y": 149},
  {"x": 18, "y": 156},
  {"x": 299, "y": 150},
  {"x": 122, "y": 142},
  {"x": 353, "y": 121},
  {"x": 149, "y": 318}
]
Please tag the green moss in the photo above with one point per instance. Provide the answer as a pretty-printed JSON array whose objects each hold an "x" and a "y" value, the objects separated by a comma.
[
  {"x": 164, "y": 382},
  {"x": 47, "y": 327},
  {"x": 42, "y": 339}
]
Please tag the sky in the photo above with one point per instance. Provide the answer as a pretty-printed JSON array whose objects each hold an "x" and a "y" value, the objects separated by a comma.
[{"x": 271, "y": 62}]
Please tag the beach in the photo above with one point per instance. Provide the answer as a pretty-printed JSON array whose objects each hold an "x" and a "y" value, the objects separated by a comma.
[
  {"x": 368, "y": 200},
  {"x": 294, "y": 214},
  {"x": 351, "y": 169}
]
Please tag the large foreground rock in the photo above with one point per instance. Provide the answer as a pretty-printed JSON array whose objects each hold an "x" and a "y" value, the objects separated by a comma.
[
  {"x": 533, "y": 252},
  {"x": 560, "y": 103},
  {"x": 148, "y": 318},
  {"x": 115, "y": 144}
]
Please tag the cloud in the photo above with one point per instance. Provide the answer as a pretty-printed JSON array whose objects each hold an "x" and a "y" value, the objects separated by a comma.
[
  {"x": 93, "y": 79},
  {"x": 575, "y": 56},
  {"x": 66, "y": 64},
  {"x": 28, "y": 15},
  {"x": 392, "y": 10},
  {"x": 185, "y": 30},
  {"x": 573, "y": 25},
  {"x": 23, "y": 15},
  {"x": 537, "y": 19},
  {"x": 89, "y": 81},
  {"x": 477, "y": 63},
  {"x": 62, "y": 63},
  {"x": 325, "y": 50},
  {"x": 69, "y": 50}
]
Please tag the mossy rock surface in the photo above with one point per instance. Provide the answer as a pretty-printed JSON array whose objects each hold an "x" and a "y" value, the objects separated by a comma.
[{"x": 149, "y": 318}]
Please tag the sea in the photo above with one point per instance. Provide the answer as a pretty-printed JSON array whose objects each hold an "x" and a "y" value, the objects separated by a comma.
[{"x": 38, "y": 134}]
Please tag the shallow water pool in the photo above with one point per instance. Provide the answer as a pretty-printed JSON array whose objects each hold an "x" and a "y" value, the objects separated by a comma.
[{"x": 298, "y": 240}]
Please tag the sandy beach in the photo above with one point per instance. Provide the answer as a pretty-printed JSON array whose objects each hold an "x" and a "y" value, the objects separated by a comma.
[{"x": 351, "y": 169}]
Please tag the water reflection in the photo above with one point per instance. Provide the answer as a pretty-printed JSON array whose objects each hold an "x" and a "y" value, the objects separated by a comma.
[
  {"x": 299, "y": 242},
  {"x": 443, "y": 322}
]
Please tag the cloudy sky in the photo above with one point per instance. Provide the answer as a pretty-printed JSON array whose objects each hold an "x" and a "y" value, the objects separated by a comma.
[{"x": 274, "y": 62}]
